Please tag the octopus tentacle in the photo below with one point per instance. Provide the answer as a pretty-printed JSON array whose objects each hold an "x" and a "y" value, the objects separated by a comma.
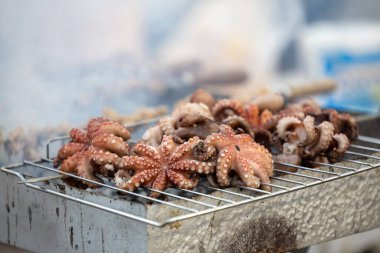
[
  {"x": 182, "y": 123},
  {"x": 246, "y": 173},
  {"x": 183, "y": 182},
  {"x": 272, "y": 122},
  {"x": 238, "y": 124},
  {"x": 311, "y": 133},
  {"x": 291, "y": 130},
  {"x": 338, "y": 147},
  {"x": 111, "y": 127},
  {"x": 146, "y": 150},
  {"x": 68, "y": 150},
  {"x": 77, "y": 135},
  {"x": 185, "y": 149},
  {"x": 224, "y": 165},
  {"x": 217, "y": 140},
  {"x": 342, "y": 122},
  {"x": 252, "y": 114},
  {"x": 101, "y": 157},
  {"x": 333, "y": 118},
  {"x": 153, "y": 136},
  {"x": 80, "y": 165},
  {"x": 108, "y": 141},
  {"x": 93, "y": 125},
  {"x": 199, "y": 109},
  {"x": 264, "y": 159},
  {"x": 226, "y": 107},
  {"x": 264, "y": 177},
  {"x": 143, "y": 178},
  {"x": 326, "y": 132},
  {"x": 343, "y": 142},
  {"x": 168, "y": 146},
  {"x": 202, "y": 96},
  {"x": 167, "y": 126},
  {"x": 194, "y": 165},
  {"x": 137, "y": 163},
  {"x": 161, "y": 183},
  {"x": 306, "y": 106},
  {"x": 284, "y": 124},
  {"x": 265, "y": 116},
  {"x": 195, "y": 125}
]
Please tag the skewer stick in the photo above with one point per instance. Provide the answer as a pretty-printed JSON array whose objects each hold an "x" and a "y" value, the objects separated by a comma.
[{"x": 41, "y": 179}]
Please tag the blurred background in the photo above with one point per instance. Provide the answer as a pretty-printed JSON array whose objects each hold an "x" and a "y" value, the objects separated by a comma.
[{"x": 62, "y": 63}]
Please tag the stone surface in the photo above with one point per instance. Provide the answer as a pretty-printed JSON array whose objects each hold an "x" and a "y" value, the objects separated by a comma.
[{"x": 286, "y": 222}]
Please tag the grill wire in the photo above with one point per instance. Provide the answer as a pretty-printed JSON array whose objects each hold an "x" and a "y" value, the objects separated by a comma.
[{"x": 206, "y": 199}]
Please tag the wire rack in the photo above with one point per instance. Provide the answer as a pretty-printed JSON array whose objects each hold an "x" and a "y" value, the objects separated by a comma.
[{"x": 206, "y": 199}]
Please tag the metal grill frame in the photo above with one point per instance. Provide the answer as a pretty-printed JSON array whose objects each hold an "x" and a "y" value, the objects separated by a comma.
[{"x": 224, "y": 202}]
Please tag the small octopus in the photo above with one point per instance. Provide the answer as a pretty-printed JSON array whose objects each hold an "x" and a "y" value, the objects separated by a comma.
[
  {"x": 238, "y": 152},
  {"x": 304, "y": 140},
  {"x": 161, "y": 167},
  {"x": 168, "y": 125},
  {"x": 94, "y": 150},
  {"x": 343, "y": 122}
]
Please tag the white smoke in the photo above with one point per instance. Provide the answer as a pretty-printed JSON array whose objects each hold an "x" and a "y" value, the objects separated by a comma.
[{"x": 44, "y": 47}]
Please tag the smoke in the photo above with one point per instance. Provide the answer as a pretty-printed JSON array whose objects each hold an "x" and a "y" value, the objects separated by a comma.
[{"x": 46, "y": 47}]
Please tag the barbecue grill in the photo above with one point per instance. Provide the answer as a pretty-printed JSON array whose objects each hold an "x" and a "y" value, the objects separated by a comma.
[{"x": 304, "y": 208}]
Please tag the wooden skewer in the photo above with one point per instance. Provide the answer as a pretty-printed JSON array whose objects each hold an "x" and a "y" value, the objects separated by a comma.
[{"x": 40, "y": 179}]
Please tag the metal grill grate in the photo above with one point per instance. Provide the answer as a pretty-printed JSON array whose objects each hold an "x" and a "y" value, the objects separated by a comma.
[{"x": 206, "y": 199}]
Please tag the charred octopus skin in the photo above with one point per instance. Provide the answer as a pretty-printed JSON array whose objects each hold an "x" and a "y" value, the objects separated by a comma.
[
  {"x": 238, "y": 152},
  {"x": 160, "y": 167}
]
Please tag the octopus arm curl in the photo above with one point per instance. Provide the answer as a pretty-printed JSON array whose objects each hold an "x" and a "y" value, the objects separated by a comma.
[
  {"x": 183, "y": 180},
  {"x": 146, "y": 177},
  {"x": 115, "y": 128},
  {"x": 326, "y": 132},
  {"x": 111, "y": 143},
  {"x": 81, "y": 166},
  {"x": 249, "y": 174},
  {"x": 226, "y": 107},
  {"x": 68, "y": 150},
  {"x": 77, "y": 135},
  {"x": 101, "y": 157}
]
